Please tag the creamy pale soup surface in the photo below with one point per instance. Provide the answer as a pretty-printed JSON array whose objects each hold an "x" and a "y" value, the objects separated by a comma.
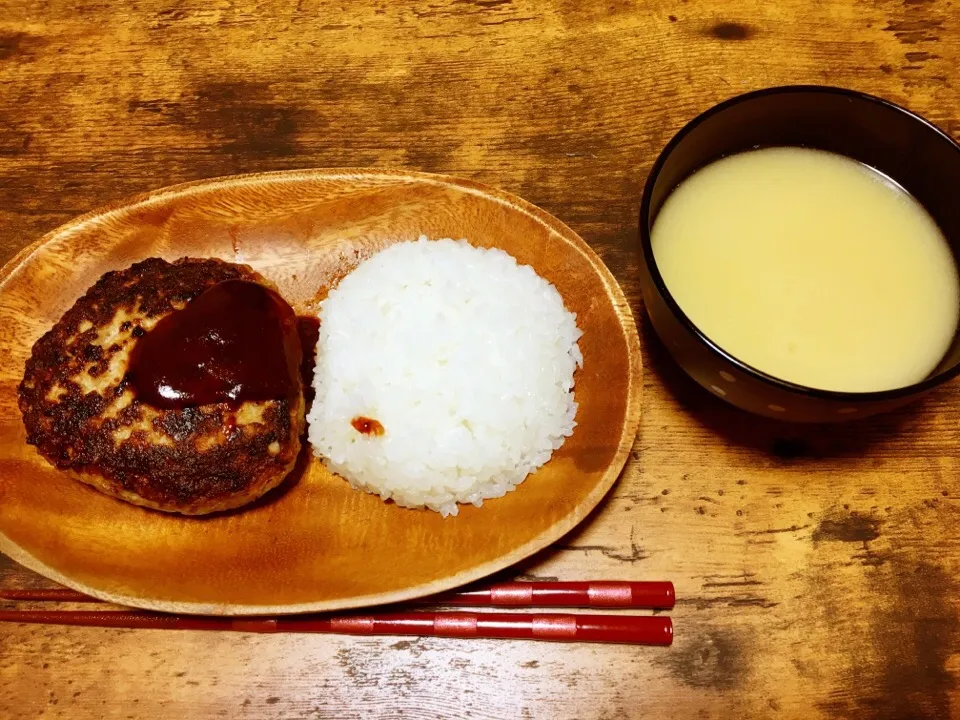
[{"x": 810, "y": 267}]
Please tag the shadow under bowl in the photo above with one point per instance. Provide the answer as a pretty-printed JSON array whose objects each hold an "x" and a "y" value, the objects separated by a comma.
[{"x": 902, "y": 145}]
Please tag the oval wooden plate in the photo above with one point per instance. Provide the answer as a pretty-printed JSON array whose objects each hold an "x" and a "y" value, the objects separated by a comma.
[{"x": 314, "y": 543}]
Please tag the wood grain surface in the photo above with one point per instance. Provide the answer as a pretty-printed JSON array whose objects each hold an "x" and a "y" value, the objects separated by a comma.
[{"x": 816, "y": 569}]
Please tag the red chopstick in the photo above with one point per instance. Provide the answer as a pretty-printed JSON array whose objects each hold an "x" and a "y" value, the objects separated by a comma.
[
  {"x": 640, "y": 630},
  {"x": 593, "y": 594}
]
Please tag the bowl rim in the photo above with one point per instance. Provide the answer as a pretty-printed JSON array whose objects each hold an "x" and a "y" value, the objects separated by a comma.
[{"x": 649, "y": 261}]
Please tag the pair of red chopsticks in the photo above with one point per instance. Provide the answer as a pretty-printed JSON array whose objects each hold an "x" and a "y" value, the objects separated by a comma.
[{"x": 634, "y": 629}]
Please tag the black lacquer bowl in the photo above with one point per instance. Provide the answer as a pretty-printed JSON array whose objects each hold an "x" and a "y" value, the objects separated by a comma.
[{"x": 916, "y": 154}]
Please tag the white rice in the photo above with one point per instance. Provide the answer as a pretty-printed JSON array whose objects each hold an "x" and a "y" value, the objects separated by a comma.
[{"x": 463, "y": 356}]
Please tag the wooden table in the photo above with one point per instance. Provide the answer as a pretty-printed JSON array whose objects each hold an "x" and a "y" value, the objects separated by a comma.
[{"x": 816, "y": 568}]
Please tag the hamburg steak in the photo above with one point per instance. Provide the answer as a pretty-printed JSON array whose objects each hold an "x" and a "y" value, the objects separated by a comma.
[{"x": 82, "y": 414}]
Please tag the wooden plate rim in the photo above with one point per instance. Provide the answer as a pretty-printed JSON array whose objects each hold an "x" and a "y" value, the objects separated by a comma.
[{"x": 631, "y": 422}]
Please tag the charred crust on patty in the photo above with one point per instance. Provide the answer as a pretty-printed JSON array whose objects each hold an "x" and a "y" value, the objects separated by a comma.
[{"x": 80, "y": 412}]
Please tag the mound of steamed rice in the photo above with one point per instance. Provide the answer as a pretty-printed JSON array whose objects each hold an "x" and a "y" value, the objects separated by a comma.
[{"x": 465, "y": 358}]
